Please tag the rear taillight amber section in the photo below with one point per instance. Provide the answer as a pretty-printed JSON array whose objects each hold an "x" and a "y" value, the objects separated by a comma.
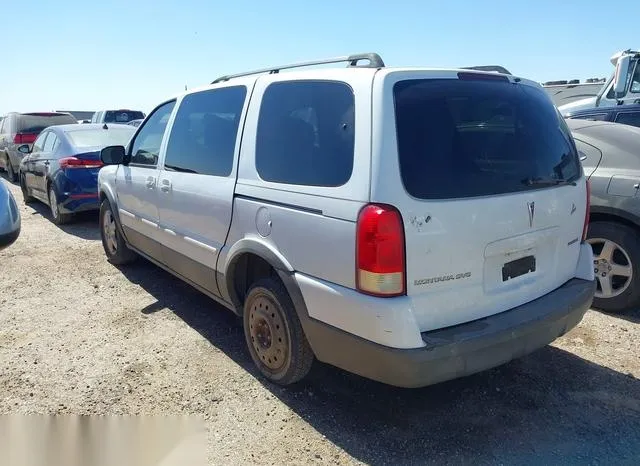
[{"x": 380, "y": 251}]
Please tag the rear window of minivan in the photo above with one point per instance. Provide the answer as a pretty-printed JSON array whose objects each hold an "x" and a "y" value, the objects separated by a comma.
[
  {"x": 36, "y": 122},
  {"x": 467, "y": 138}
]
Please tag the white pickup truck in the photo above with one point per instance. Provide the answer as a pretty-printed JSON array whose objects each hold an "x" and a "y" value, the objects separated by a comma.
[{"x": 623, "y": 87}]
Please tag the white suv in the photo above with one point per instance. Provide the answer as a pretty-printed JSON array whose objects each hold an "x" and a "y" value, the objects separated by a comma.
[{"x": 408, "y": 225}]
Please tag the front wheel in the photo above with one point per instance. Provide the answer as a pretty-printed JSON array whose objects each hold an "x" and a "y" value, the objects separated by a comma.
[
  {"x": 113, "y": 243},
  {"x": 274, "y": 335},
  {"x": 616, "y": 265}
]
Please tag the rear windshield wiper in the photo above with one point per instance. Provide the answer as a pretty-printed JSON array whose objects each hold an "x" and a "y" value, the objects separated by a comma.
[{"x": 547, "y": 182}]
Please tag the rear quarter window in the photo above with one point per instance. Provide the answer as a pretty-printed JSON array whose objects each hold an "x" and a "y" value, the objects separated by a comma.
[
  {"x": 629, "y": 118},
  {"x": 305, "y": 133},
  {"x": 469, "y": 138}
]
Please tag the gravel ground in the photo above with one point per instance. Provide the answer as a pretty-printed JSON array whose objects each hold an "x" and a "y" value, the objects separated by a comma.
[{"x": 78, "y": 335}]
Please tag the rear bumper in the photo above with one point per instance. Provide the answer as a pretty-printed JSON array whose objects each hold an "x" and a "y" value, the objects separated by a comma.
[
  {"x": 74, "y": 203},
  {"x": 460, "y": 350}
]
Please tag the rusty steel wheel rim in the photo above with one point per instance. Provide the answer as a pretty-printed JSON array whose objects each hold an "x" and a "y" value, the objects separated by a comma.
[{"x": 268, "y": 333}]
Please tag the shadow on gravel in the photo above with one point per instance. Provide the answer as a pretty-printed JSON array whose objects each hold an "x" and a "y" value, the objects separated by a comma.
[
  {"x": 3, "y": 174},
  {"x": 631, "y": 316},
  {"x": 83, "y": 225},
  {"x": 551, "y": 407}
]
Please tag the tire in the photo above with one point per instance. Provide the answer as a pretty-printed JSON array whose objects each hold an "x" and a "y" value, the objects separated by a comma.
[
  {"x": 57, "y": 217},
  {"x": 28, "y": 199},
  {"x": 11, "y": 174},
  {"x": 113, "y": 243},
  {"x": 615, "y": 248},
  {"x": 269, "y": 314}
]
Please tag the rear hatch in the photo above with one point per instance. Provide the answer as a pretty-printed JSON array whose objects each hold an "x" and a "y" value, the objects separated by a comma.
[
  {"x": 494, "y": 197},
  {"x": 30, "y": 125}
]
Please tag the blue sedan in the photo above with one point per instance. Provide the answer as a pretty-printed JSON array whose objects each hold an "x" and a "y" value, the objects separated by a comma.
[{"x": 61, "y": 169}]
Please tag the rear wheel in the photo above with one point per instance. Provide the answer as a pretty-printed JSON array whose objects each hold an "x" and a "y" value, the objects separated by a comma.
[
  {"x": 274, "y": 335},
  {"x": 616, "y": 264},
  {"x": 11, "y": 174},
  {"x": 58, "y": 217},
  {"x": 113, "y": 243}
]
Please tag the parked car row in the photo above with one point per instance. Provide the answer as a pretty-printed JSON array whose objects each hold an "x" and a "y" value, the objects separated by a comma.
[{"x": 408, "y": 225}]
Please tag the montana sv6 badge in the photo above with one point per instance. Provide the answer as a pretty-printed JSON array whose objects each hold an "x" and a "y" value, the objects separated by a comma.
[{"x": 443, "y": 278}]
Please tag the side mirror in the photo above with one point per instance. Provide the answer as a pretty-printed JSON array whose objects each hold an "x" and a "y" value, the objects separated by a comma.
[
  {"x": 24, "y": 149},
  {"x": 9, "y": 218},
  {"x": 623, "y": 66},
  {"x": 113, "y": 155}
]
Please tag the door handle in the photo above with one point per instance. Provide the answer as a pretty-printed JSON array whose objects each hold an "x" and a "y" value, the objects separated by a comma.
[
  {"x": 151, "y": 182},
  {"x": 165, "y": 186}
]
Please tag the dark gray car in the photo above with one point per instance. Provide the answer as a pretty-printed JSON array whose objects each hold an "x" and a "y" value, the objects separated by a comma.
[{"x": 610, "y": 154}]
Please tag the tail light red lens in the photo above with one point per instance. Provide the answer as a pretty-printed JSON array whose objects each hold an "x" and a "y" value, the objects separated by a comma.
[
  {"x": 24, "y": 138},
  {"x": 380, "y": 251},
  {"x": 74, "y": 162},
  {"x": 585, "y": 228}
]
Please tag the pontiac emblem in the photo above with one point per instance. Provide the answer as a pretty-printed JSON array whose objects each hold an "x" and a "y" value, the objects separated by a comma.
[
  {"x": 573, "y": 208},
  {"x": 531, "y": 206}
]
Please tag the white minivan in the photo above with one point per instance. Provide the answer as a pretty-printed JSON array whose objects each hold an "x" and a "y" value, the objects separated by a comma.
[{"x": 410, "y": 225}]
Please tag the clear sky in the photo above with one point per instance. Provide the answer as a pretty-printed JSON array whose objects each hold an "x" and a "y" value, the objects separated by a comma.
[{"x": 84, "y": 55}]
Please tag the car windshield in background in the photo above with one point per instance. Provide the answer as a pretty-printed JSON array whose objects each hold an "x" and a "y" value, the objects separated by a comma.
[
  {"x": 101, "y": 137},
  {"x": 122, "y": 116},
  {"x": 466, "y": 138},
  {"x": 36, "y": 122}
]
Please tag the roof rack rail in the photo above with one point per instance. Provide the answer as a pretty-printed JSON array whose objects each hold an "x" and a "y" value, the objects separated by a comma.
[
  {"x": 497, "y": 68},
  {"x": 375, "y": 61}
]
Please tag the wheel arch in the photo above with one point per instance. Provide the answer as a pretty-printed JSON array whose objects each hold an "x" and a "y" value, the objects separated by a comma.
[
  {"x": 106, "y": 193},
  {"x": 611, "y": 214},
  {"x": 251, "y": 259}
]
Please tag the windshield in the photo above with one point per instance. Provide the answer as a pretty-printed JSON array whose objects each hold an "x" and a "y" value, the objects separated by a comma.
[
  {"x": 467, "y": 138},
  {"x": 101, "y": 137},
  {"x": 122, "y": 116},
  {"x": 35, "y": 123}
]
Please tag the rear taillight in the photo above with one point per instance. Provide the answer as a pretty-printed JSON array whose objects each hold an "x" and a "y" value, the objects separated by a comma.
[
  {"x": 74, "y": 162},
  {"x": 585, "y": 228},
  {"x": 24, "y": 138},
  {"x": 380, "y": 251}
]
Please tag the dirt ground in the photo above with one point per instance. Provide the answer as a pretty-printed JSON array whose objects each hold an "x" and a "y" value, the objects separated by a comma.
[{"x": 78, "y": 335}]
